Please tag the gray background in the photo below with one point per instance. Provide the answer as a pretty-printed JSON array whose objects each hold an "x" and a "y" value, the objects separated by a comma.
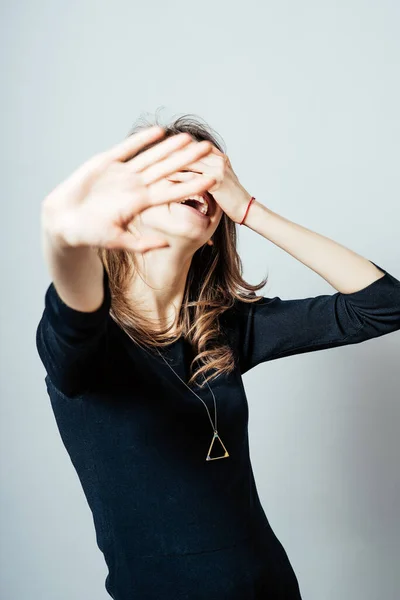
[{"x": 306, "y": 96}]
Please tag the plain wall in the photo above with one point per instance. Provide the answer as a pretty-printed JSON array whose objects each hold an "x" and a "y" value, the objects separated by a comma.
[{"x": 306, "y": 96}]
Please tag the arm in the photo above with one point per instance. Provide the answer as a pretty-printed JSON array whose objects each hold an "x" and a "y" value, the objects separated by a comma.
[
  {"x": 70, "y": 337},
  {"x": 367, "y": 303},
  {"x": 76, "y": 272},
  {"x": 344, "y": 269},
  {"x": 274, "y": 328},
  {"x": 78, "y": 216}
]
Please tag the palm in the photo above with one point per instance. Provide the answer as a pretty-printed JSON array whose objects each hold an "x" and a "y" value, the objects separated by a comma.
[{"x": 97, "y": 202}]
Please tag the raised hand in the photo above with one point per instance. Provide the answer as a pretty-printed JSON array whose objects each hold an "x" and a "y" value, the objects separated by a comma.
[
  {"x": 94, "y": 206},
  {"x": 227, "y": 190}
]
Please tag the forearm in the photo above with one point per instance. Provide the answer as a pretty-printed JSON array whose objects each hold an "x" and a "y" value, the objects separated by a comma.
[
  {"x": 344, "y": 269},
  {"x": 77, "y": 272}
]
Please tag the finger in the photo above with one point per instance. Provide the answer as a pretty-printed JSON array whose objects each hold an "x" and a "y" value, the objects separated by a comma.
[
  {"x": 180, "y": 176},
  {"x": 162, "y": 192},
  {"x": 216, "y": 151},
  {"x": 199, "y": 166},
  {"x": 131, "y": 145},
  {"x": 126, "y": 241},
  {"x": 159, "y": 151},
  {"x": 208, "y": 160},
  {"x": 95, "y": 165},
  {"x": 176, "y": 161}
]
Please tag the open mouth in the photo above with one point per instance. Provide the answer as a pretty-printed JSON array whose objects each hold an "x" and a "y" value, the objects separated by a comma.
[{"x": 199, "y": 203}]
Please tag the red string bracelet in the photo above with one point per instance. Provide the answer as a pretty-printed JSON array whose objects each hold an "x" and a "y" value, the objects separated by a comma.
[{"x": 247, "y": 210}]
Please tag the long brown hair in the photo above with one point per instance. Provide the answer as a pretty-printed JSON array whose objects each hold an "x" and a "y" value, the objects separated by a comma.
[{"x": 213, "y": 283}]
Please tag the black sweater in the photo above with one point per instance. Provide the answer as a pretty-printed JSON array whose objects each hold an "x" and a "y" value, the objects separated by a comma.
[{"x": 170, "y": 523}]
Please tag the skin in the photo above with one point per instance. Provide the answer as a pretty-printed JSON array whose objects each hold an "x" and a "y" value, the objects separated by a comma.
[
  {"x": 112, "y": 199},
  {"x": 344, "y": 269},
  {"x": 158, "y": 290},
  {"x": 93, "y": 207}
]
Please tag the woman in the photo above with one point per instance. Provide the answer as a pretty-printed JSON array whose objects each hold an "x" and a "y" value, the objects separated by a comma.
[{"x": 147, "y": 330}]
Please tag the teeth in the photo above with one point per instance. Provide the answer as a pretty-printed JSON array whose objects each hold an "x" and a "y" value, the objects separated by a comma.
[{"x": 204, "y": 204}]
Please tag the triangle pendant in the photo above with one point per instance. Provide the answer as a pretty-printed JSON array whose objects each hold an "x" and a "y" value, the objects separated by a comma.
[{"x": 225, "y": 455}]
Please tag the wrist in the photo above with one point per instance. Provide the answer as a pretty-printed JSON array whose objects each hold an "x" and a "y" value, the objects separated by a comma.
[
  {"x": 246, "y": 209},
  {"x": 51, "y": 223},
  {"x": 257, "y": 215}
]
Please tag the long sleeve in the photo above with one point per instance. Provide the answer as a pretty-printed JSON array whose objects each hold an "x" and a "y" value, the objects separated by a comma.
[
  {"x": 70, "y": 342},
  {"x": 274, "y": 328}
]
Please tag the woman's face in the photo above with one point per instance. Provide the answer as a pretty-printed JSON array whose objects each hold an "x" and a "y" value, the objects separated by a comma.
[{"x": 182, "y": 223}]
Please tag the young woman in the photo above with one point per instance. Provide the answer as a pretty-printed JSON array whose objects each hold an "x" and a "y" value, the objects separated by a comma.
[{"x": 147, "y": 329}]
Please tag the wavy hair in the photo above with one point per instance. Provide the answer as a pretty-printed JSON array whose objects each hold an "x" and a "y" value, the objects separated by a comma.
[{"x": 213, "y": 284}]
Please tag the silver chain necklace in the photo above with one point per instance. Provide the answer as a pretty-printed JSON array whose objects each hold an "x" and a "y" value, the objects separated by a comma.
[{"x": 216, "y": 435}]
